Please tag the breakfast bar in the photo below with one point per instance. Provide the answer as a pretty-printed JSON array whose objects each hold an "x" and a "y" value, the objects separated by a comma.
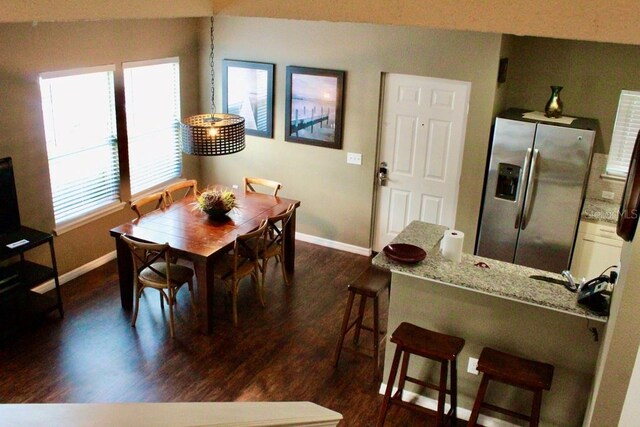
[{"x": 495, "y": 304}]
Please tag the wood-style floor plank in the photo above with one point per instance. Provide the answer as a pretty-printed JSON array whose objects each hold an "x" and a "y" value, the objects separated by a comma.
[{"x": 279, "y": 353}]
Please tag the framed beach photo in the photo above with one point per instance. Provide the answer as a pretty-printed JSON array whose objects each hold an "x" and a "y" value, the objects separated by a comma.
[
  {"x": 314, "y": 106},
  {"x": 247, "y": 90}
]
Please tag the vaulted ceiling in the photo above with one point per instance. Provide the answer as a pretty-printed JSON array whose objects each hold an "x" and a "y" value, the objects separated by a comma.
[{"x": 597, "y": 20}]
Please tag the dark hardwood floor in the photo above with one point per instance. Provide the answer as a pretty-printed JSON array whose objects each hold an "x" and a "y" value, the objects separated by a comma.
[{"x": 280, "y": 353}]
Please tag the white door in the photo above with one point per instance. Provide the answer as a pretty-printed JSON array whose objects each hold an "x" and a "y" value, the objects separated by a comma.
[{"x": 422, "y": 139}]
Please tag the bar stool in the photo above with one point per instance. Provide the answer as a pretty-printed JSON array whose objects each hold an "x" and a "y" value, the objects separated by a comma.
[
  {"x": 411, "y": 339},
  {"x": 369, "y": 284},
  {"x": 515, "y": 371}
]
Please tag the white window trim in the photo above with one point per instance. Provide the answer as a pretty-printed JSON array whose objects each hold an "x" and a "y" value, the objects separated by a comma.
[
  {"x": 146, "y": 63},
  {"x": 77, "y": 71},
  {"x": 622, "y": 140}
]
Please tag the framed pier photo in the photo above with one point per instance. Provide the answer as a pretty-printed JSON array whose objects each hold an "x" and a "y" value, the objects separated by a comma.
[
  {"x": 247, "y": 90},
  {"x": 314, "y": 106}
]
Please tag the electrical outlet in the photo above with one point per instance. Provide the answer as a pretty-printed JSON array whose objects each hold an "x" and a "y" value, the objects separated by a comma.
[
  {"x": 472, "y": 367},
  {"x": 354, "y": 158},
  {"x": 608, "y": 195}
]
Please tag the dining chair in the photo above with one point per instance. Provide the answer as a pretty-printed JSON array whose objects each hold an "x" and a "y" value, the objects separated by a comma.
[
  {"x": 189, "y": 186},
  {"x": 158, "y": 198},
  {"x": 274, "y": 246},
  {"x": 153, "y": 269},
  {"x": 250, "y": 182},
  {"x": 241, "y": 262}
]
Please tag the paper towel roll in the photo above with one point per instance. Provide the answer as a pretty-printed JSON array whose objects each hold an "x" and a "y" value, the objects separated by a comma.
[{"x": 452, "y": 245}]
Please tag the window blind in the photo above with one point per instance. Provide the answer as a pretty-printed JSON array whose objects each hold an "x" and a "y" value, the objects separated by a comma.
[
  {"x": 625, "y": 131},
  {"x": 80, "y": 131},
  {"x": 152, "y": 100}
]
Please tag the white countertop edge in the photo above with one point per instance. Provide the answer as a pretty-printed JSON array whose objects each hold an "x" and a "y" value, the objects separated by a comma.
[{"x": 594, "y": 318}]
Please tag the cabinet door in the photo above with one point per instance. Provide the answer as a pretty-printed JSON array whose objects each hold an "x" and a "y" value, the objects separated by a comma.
[{"x": 597, "y": 247}]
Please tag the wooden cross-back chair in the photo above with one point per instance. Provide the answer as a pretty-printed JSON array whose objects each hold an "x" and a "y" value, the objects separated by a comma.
[
  {"x": 274, "y": 246},
  {"x": 157, "y": 198},
  {"x": 152, "y": 268},
  {"x": 241, "y": 262},
  {"x": 189, "y": 186},
  {"x": 250, "y": 182}
]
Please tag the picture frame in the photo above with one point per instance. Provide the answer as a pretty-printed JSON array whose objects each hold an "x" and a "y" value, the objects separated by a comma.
[
  {"x": 314, "y": 106},
  {"x": 247, "y": 91}
]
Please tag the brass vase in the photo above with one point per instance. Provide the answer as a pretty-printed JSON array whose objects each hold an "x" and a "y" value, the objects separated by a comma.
[{"x": 554, "y": 104}]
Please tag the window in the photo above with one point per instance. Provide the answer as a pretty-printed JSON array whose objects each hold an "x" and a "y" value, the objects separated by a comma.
[
  {"x": 152, "y": 97},
  {"x": 625, "y": 131},
  {"x": 80, "y": 130}
]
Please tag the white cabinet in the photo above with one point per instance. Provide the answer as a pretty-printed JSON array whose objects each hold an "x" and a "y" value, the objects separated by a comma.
[{"x": 597, "y": 247}]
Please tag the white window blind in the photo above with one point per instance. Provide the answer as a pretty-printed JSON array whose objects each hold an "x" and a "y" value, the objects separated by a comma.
[
  {"x": 625, "y": 132},
  {"x": 80, "y": 130},
  {"x": 152, "y": 99}
]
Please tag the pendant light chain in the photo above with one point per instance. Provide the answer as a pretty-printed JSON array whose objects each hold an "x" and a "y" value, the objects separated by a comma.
[{"x": 211, "y": 63}]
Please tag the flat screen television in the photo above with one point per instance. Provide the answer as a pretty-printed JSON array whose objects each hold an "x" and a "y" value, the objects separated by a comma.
[{"x": 9, "y": 213}]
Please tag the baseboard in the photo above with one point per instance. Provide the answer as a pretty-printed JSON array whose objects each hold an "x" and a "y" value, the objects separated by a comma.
[
  {"x": 463, "y": 414},
  {"x": 333, "y": 244},
  {"x": 66, "y": 277}
]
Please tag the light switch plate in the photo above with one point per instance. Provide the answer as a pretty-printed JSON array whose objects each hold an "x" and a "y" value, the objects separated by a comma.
[
  {"x": 472, "y": 367},
  {"x": 608, "y": 195},
  {"x": 354, "y": 158}
]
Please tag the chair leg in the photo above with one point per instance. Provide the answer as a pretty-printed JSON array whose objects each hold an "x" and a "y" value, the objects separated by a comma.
[
  {"x": 454, "y": 391},
  {"x": 161, "y": 300},
  {"x": 234, "y": 303},
  {"x": 192, "y": 297},
  {"x": 403, "y": 374},
  {"x": 356, "y": 334},
  {"x": 386, "y": 401},
  {"x": 473, "y": 418},
  {"x": 137, "y": 305},
  {"x": 535, "y": 410},
  {"x": 284, "y": 273},
  {"x": 171, "y": 299},
  {"x": 376, "y": 339},
  {"x": 255, "y": 276},
  {"x": 442, "y": 392},
  {"x": 343, "y": 329}
]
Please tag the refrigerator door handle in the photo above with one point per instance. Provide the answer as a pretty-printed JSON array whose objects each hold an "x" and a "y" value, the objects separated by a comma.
[
  {"x": 527, "y": 199},
  {"x": 521, "y": 191}
]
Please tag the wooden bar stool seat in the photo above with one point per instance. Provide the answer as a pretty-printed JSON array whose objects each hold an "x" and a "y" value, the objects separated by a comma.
[
  {"x": 369, "y": 284},
  {"x": 411, "y": 339},
  {"x": 515, "y": 371}
]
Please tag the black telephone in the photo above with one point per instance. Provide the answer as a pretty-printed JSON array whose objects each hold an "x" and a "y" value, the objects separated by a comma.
[{"x": 596, "y": 295}]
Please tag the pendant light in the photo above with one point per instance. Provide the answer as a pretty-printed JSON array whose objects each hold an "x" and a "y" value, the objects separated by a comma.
[{"x": 214, "y": 134}]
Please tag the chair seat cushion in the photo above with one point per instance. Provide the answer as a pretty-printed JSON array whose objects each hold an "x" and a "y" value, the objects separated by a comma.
[
  {"x": 224, "y": 267},
  {"x": 179, "y": 274}
]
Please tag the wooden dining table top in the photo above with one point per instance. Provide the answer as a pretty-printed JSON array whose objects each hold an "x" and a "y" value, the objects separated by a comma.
[{"x": 191, "y": 232}]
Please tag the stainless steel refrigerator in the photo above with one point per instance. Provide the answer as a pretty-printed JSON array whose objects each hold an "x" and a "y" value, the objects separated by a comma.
[{"x": 534, "y": 190}]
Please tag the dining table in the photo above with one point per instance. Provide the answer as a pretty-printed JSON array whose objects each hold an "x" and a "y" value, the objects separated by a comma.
[{"x": 195, "y": 236}]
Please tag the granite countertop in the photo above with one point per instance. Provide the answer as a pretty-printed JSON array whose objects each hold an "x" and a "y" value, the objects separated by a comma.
[
  {"x": 501, "y": 279},
  {"x": 600, "y": 210}
]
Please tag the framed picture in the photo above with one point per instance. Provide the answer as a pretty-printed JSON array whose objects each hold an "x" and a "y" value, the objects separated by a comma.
[
  {"x": 247, "y": 90},
  {"x": 314, "y": 106}
]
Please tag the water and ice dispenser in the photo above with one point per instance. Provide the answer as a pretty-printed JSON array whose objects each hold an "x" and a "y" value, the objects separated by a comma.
[{"x": 508, "y": 180}]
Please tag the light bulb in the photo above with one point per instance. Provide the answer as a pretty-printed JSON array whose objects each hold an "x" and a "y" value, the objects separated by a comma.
[{"x": 213, "y": 132}]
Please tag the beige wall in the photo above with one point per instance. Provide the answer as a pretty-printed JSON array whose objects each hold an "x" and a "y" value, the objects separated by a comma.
[
  {"x": 337, "y": 197},
  {"x": 592, "y": 75},
  {"x": 27, "y": 50}
]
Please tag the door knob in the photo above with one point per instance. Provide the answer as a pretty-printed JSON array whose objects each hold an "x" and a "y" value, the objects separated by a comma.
[{"x": 382, "y": 174}]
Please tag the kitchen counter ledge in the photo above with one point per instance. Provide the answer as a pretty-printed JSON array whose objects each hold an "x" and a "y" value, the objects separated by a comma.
[{"x": 501, "y": 279}]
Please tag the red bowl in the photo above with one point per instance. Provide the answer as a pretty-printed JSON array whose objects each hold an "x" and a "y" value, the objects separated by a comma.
[{"x": 404, "y": 253}]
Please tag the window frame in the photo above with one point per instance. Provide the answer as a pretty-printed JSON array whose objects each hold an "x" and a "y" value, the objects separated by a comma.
[
  {"x": 178, "y": 151},
  {"x": 624, "y": 134},
  {"x": 66, "y": 224}
]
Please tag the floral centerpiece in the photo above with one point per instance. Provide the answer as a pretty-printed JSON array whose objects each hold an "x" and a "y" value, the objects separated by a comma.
[{"x": 216, "y": 202}]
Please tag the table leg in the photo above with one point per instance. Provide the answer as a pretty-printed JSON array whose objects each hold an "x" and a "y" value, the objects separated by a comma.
[
  {"x": 290, "y": 244},
  {"x": 125, "y": 273},
  {"x": 204, "y": 274}
]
